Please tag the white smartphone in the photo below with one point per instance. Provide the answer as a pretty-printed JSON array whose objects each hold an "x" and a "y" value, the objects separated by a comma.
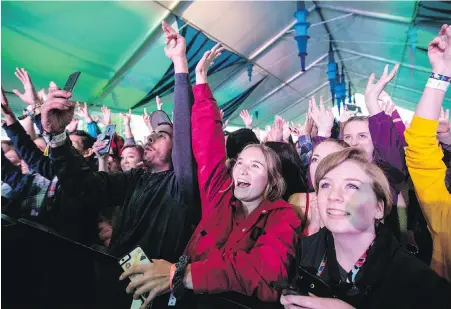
[{"x": 134, "y": 258}]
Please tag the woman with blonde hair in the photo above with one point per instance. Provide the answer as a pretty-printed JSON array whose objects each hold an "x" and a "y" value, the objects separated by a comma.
[{"x": 355, "y": 254}]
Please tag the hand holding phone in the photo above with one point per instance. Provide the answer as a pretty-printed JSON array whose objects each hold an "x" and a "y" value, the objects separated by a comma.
[
  {"x": 107, "y": 135},
  {"x": 134, "y": 258}
]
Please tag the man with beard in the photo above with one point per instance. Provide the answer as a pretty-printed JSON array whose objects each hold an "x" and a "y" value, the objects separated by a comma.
[{"x": 159, "y": 204}]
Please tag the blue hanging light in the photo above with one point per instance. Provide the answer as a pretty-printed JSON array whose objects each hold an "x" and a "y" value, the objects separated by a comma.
[
  {"x": 340, "y": 89},
  {"x": 256, "y": 115},
  {"x": 349, "y": 93},
  {"x": 250, "y": 67},
  {"x": 301, "y": 29},
  {"x": 332, "y": 73}
]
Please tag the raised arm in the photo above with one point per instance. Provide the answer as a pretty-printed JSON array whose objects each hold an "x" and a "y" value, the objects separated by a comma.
[
  {"x": 388, "y": 145},
  {"x": 208, "y": 138},
  {"x": 75, "y": 175},
  {"x": 182, "y": 155},
  {"x": 24, "y": 145},
  {"x": 423, "y": 154}
]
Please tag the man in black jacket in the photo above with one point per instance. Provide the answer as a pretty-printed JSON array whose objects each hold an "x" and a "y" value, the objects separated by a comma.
[{"x": 159, "y": 204}]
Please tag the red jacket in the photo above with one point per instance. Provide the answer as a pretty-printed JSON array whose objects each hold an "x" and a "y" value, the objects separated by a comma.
[{"x": 228, "y": 253}]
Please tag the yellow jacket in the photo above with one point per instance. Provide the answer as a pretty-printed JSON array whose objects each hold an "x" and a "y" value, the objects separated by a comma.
[{"x": 427, "y": 170}]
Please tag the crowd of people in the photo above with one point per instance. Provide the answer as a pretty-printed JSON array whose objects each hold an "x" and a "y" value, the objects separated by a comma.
[{"x": 361, "y": 203}]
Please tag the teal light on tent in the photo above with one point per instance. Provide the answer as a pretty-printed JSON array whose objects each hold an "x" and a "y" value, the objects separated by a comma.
[
  {"x": 332, "y": 73},
  {"x": 250, "y": 66},
  {"x": 412, "y": 38},
  {"x": 301, "y": 29}
]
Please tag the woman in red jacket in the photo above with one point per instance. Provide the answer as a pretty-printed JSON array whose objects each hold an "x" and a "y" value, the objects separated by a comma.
[{"x": 247, "y": 234}]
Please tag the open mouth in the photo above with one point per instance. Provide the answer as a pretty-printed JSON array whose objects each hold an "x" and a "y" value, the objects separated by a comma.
[
  {"x": 241, "y": 183},
  {"x": 337, "y": 212}
]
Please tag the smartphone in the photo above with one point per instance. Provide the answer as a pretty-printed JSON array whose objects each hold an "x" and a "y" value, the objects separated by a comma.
[
  {"x": 107, "y": 135},
  {"x": 310, "y": 283},
  {"x": 305, "y": 283},
  {"x": 134, "y": 258},
  {"x": 353, "y": 108},
  {"x": 71, "y": 81},
  {"x": 285, "y": 288}
]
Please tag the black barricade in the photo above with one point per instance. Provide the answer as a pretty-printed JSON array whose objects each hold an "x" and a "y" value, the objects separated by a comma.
[{"x": 43, "y": 269}]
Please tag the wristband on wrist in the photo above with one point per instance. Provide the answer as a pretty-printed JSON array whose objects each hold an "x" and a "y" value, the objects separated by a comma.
[
  {"x": 437, "y": 84},
  {"x": 397, "y": 120},
  {"x": 54, "y": 140},
  {"x": 178, "y": 288},
  {"x": 323, "y": 134},
  {"x": 438, "y": 81},
  {"x": 440, "y": 77}
]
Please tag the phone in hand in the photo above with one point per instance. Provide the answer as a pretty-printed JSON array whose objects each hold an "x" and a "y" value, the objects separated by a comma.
[
  {"x": 107, "y": 135},
  {"x": 71, "y": 81},
  {"x": 285, "y": 288},
  {"x": 305, "y": 283},
  {"x": 134, "y": 258}
]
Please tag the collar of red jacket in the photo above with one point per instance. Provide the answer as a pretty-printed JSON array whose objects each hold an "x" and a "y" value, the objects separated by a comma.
[{"x": 265, "y": 206}]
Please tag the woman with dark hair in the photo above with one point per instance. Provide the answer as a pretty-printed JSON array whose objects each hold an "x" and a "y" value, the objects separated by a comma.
[{"x": 292, "y": 170}]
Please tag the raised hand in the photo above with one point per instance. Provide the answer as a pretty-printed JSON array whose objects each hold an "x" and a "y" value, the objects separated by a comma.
[
  {"x": 127, "y": 117},
  {"x": 106, "y": 116},
  {"x": 247, "y": 118},
  {"x": 42, "y": 95},
  {"x": 175, "y": 43},
  {"x": 159, "y": 104},
  {"x": 10, "y": 118},
  {"x": 83, "y": 112},
  {"x": 224, "y": 123},
  {"x": 206, "y": 61},
  {"x": 374, "y": 90},
  {"x": 29, "y": 96},
  {"x": 276, "y": 133},
  {"x": 443, "y": 122},
  {"x": 346, "y": 114},
  {"x": 386, "y": 103},
  {"x": 308, "y": 125},
  {"x": 439, "y": 52},
  {"x": 146, "y": 119},
  {"x": 57, "y": 112},
  {"x": 73, "y": 125},
  {"x": 322, "y": 116}
]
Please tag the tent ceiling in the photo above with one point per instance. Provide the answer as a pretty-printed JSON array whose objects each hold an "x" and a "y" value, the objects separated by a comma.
[{"x": 118, "y": 47}]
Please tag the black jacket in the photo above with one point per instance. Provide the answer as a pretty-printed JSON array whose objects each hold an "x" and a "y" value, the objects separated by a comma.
[
  {"x": 390, "y": 277},
  {"x": 157, "y": 210}
]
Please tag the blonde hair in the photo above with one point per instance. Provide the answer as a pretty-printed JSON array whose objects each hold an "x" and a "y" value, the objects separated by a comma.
[
  {"x": 380, "y": 185},
  {"x": 352, "y": 119},
  {"x": 276, "y": 184}
]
